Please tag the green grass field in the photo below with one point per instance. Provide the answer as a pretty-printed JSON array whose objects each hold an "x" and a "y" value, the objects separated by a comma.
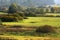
[
  {"x": 37, "y": 21},
  {"x": 29, "y": 38}
]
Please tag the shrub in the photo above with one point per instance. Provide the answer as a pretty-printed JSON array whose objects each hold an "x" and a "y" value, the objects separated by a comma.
[
  {"x": 45, "y": 29},
  {"x": 8, "y": 19},
  {"x": 20, "y": 18}
]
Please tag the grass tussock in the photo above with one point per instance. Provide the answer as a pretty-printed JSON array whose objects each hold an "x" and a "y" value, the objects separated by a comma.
[{"x": 45, "y": 29}]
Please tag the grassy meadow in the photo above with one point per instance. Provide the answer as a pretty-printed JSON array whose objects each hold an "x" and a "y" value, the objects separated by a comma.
[
  {"x": 29, "y": 23},
  {"x": 37, "y": 21},
  {"x": 28, "y": 38},
  {"x": 34, "y": 22}
]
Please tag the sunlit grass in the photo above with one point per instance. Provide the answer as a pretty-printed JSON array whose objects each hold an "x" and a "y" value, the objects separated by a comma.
[
  {"x": 30, "y": 37},
  {"x": 37, "y": 21}
]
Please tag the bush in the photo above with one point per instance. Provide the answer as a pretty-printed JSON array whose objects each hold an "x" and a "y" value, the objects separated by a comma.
[
  {"x": 20, "y": 18},
  {"x": 8, "y": 19},
  {"x": 45, "y": 29}
]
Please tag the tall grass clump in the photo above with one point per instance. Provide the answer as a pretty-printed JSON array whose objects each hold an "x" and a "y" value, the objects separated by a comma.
[{"x": 45, "y": 29}]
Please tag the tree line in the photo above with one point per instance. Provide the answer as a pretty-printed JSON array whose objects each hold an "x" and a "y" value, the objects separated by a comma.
[
  {"x": 18, "y": 13},
  {"x": 32, "y": 11}
]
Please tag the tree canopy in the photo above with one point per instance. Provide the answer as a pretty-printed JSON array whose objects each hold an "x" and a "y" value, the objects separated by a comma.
[{"x": 13, "y": 8}]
